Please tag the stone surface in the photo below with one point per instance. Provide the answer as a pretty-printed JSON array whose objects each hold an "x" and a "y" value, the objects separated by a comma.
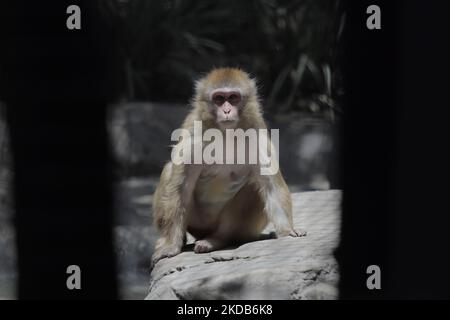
[
  {"x": 8, "y": 275},
  {"x": 284, "y": 268}
]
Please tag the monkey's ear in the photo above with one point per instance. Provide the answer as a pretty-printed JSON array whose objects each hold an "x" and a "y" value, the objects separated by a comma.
[
  {"x": 199, "y": 86},
  {"x": 253, "y": 86}
]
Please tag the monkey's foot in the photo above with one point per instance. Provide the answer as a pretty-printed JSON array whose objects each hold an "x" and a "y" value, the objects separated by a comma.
[
  {"x": 297, "y": 233},
  {"x": 202, "y": 246},
  {"x": 165, "y": 252}
]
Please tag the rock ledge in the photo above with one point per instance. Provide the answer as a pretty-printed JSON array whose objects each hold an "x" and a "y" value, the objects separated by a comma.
[{"x": 284, "y": 268}]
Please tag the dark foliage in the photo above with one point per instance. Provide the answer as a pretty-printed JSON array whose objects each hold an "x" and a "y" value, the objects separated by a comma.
[{"x": 290, "y": 46}]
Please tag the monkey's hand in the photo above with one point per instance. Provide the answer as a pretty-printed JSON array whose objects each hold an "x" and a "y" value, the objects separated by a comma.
[
  {"x": 164, "y": 252},
  {"x": 297, "y": 233},
  {"x": 291, "y": 232}
]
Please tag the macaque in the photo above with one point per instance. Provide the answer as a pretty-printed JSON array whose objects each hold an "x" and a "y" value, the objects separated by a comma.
[{"x": 220, "y": 204}]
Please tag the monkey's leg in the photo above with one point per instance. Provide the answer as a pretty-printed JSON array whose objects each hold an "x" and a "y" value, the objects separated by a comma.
[
  {"x": 218, "y": 239},
  {"x": 208, "y": 245},
  {"x": 241, "y": 220}
]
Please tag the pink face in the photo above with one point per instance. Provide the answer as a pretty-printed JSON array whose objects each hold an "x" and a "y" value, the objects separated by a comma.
[{"x": 226, "y": 103}]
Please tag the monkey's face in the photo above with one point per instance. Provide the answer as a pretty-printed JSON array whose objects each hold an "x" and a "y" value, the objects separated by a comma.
[
  {"x": 226, "y": 104},
  {"x": 225, "y": 93}
]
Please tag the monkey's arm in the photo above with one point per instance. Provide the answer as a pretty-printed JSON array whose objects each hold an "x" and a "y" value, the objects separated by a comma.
[
  {"x": 278, "y": 205},
  {"x": 172, "y": 200},
  {"x": 273, "y": 189}
]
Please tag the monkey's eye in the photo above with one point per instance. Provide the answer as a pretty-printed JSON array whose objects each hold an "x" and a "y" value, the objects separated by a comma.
[
  {"x": 234, "y": 99},
  {"x": 218, "y": 100}
]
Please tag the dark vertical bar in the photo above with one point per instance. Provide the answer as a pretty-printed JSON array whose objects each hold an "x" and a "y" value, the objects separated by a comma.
[
  {"x": 422, "y": 159},
  {"x": 395, "y": 134},
  {"x": 54, "y": 81},
  {"x": 367, "y": 142}
]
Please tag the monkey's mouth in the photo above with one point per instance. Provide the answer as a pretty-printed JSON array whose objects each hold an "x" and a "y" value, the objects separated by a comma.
[{"x": 228, "y": 122}]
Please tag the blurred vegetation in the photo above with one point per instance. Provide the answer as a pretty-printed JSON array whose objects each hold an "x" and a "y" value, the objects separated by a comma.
[{"x": 291, "y": 47}]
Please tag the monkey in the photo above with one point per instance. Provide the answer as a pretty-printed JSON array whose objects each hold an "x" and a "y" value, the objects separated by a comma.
[{"x": 220, "y": 204}]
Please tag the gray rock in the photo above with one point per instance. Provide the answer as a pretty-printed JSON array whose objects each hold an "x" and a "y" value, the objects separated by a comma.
[
  {"x": 8, "y": 274},
  {"x": 5, "y": 170},
  {"x": 284, "y": 268},
  {"x": 308, "y": 154},
  {"x": 140, "y": 134},
  {"x": 133, "y": 248}
]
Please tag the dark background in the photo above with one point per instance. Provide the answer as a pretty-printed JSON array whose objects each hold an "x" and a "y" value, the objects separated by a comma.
[
  {"x": 290, "y": 46},
  {"x": 390, "y": 84},
  {"x": 54, "y": 86},
  {"x": 394, "y": 152}
]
